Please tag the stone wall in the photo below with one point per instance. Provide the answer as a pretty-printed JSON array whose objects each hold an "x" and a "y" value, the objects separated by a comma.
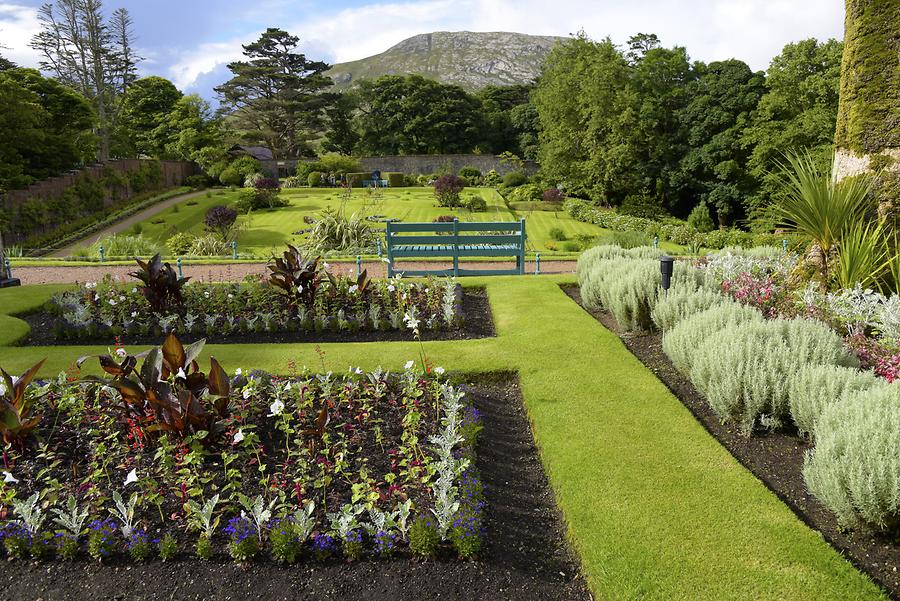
[{"x": 412, "y": 164}]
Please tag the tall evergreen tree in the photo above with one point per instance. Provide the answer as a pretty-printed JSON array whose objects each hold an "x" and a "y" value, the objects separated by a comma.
[
  {"x": 91, "y": 55},
  {"x": 276, "y": 98}
]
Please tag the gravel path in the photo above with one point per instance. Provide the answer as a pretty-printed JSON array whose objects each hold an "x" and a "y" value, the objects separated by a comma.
[
  {"x": 232, "y": 272},
  {"x": 125, "y": 224}
]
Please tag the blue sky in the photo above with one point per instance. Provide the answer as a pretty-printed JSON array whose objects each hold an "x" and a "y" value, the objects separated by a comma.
[{"x": 191, "y": 41}]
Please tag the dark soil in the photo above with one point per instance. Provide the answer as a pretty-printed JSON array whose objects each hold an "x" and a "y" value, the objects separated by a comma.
[
  {"x": 776, "y": 458},
  {"x": 477, "y": 322},
  {"x": 525, "y": 555}
]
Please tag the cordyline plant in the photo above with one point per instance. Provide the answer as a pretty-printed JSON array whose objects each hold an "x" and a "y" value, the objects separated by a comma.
[
  {"x": 161, "y": 285},
  {"x": 16, "y": 419},
  {"x": 170, "y": 389},
  {"x": 297, "y": 276}
]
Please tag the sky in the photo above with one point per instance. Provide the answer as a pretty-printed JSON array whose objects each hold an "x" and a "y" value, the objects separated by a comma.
[{"x": 192, "y": 41}]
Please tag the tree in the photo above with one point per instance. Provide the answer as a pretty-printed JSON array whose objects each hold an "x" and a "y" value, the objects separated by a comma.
[
  {"x": 501, "y": 132},
  {"x": 5, "y": 63},
  {"x": 342, "y": 136},
  {"x": 21, "y": 127},
  {"x": 57, "y": 131},
  {"x": 714, "y": 166},
  {"x": 91, "y": 55},
  {"x": 275, "y": 98},
  {"x": 582, "y": 103},
  {"x": 414, "y": 115},
  {"x": 145, "y": 106},
  {"x": 798, "y": 111},
  {"x": 187, "y": 129}
]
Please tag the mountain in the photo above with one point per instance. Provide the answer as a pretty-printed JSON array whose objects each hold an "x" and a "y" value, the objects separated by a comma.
[{"x": 472, "y": 60}]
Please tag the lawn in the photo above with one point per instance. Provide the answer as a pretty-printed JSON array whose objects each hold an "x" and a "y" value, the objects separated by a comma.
[
  {"x": 262, "y": 231},
  {"x": 656, "y": 508}
]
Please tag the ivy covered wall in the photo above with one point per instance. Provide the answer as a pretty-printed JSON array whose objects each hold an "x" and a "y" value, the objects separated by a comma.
[{"x": 869, "y": 110}]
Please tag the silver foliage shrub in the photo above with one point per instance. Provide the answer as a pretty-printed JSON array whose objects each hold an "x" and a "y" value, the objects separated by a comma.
[
  {"x": 854, "y": 468},
  {"x": 682, "y": 341},
  {"x": 629, "y": 288},
  {"x": 744, "y": 371},
  {"x": 682, "y": 302},
  {"x": 815, "y": 387},
  {"x": 590, "y": 258}
]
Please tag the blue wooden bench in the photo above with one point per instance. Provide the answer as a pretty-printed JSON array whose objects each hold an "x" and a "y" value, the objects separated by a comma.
[{"x": 456, "y": 239}]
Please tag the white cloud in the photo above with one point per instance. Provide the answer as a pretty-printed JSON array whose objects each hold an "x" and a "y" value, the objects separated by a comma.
[
  {"x": 18, "y": 24},
  {"x": 204, "y": 59}
]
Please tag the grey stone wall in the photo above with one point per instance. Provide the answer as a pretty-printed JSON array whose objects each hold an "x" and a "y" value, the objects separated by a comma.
[{"x": 412, "y": 164}]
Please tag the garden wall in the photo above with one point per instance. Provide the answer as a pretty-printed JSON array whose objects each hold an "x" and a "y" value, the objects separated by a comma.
[
  {"x": 173, "y": 174},
  {"x": 409, "y": 164}
]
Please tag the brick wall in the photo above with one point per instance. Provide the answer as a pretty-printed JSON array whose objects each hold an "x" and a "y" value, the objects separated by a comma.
[{"x": 411, "y": 164}]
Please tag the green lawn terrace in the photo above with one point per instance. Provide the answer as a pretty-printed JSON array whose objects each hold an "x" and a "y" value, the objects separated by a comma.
[{"x": 264, "y": 230}]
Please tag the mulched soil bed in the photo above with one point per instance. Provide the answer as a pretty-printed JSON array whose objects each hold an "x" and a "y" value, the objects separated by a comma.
[
  {"x": 525, "y": 555},
  {"x": 775, "y": 458},
  {"x": 478, "y": 322}
]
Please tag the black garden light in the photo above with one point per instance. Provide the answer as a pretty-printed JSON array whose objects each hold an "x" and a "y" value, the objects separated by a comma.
[{"x": 666, "y": 265}]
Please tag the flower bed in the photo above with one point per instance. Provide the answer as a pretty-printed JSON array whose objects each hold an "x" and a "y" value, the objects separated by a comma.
[
  {"x": 314, "y": 301},
  {"x": 160, "y": 458}
]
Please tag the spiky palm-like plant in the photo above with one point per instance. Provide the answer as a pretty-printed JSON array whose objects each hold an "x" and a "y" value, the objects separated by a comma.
[
  {"x": 862, "y": 255},
  {"x": 817, "y": 207}
]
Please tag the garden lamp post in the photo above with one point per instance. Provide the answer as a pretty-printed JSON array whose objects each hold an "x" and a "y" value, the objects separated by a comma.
[
  {"x": 6, "y": 279},
  {"x": 666, "y": 266}
]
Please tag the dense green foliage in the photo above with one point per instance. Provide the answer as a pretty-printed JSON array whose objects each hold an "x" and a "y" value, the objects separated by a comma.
[
  {"x": 649, "y": 123},
  {"x": 869, "y": 113},
  {"x": 45, "y": 128}
]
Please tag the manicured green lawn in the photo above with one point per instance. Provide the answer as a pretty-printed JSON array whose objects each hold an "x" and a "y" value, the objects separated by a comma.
[
  {"x": 264, "y": 230},
  {"x": 656, "y": 507}
]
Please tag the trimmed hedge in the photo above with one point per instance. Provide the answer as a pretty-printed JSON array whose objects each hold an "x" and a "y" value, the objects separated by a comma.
[{"x": 395, "y": 179}]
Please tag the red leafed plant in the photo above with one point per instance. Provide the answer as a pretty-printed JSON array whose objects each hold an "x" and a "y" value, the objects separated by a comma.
[
  {"x": 16, "y": 419},
  {"x": 170, "y": 391}
]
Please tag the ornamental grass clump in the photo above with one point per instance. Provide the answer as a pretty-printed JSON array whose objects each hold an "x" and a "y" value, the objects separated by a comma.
[
  {"x": 854, "y": 469},
  {"x": 815, "y": 387},
  {"x": 680, "y": 303},
  {"x": 682, "y": 341}
]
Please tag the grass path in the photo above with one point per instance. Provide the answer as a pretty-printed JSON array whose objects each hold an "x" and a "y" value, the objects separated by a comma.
[
  {"x": 656, "y": 507},
  {"x": 125, "y": 224}
]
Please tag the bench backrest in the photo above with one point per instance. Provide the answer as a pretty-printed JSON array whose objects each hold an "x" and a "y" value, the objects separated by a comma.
[{"x": 457, "y": 232}]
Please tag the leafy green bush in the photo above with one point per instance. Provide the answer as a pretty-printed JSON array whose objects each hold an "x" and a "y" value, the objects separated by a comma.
[
  {"x": 558, "y": 234},
  {"x": 700, "y": 219},
  {"x": 476, "y": 204},
  {"x": 854, "y": 468},
  {"x": 356, "y": 178},
  {"x": 525, "y": 193},
  {"x": 515, "y": 179},
  {"x": 744, "y": 370},
  {"x": 682, "y": 302},
  {"x": 469, "y": 171},
  {"x": 314, "y": 179},
  {"x": 197, "y": 182},
  {"x": 681, "y": 342},
  {"x": 231, "y": 177},
  {"x": 304, "y": 168},
  {"x": 492, "y": 179},
  {"x": 641, "y": 205},
  {"x": 294, "y": 182},
  {"x": 815, "y": 387},
  {"x": 180, "y": 244}
]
